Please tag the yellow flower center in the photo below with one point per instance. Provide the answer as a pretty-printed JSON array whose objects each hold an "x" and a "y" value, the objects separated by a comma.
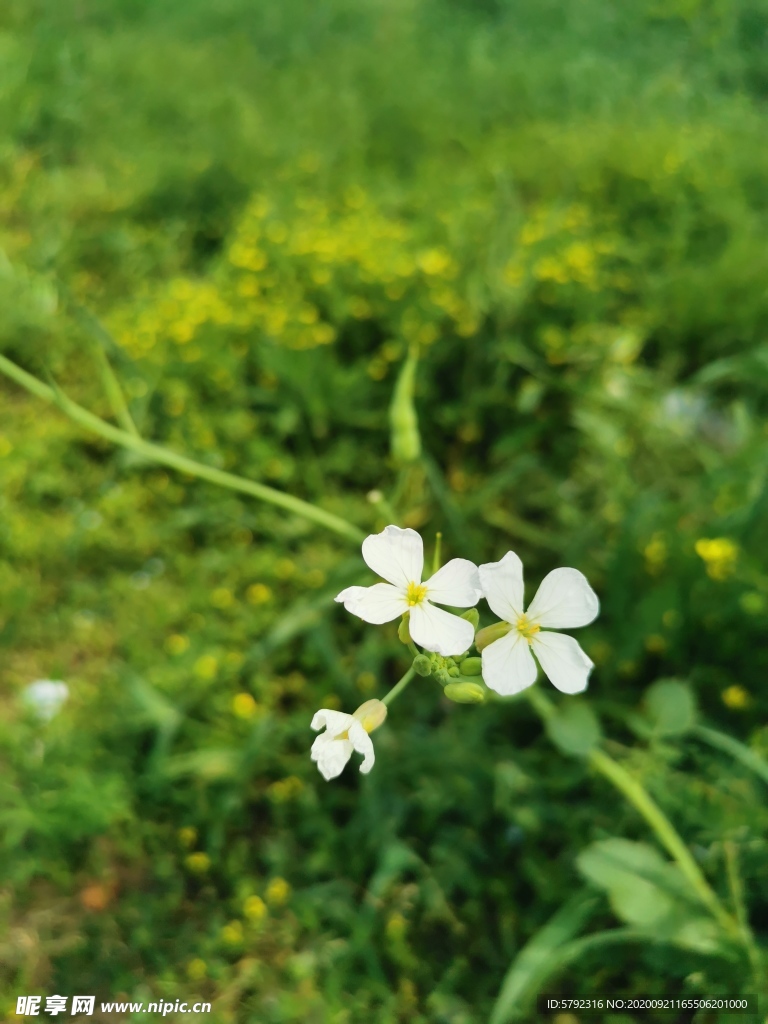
[
  {"x": 526, "y": 628},
  {"x": 415, "y": 594}
]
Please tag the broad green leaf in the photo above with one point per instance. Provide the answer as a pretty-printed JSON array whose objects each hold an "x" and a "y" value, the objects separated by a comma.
[
  {"x": 642, "y": 886},
  {"x": 671, "y": 707},
  {"x": 574, "y": 728}
]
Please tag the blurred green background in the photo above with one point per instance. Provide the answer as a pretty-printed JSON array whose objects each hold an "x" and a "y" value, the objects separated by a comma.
[{"x": 258, "y": 208}]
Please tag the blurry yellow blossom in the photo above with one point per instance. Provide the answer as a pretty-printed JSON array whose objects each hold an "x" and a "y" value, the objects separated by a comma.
[
  {"x": 655, "y": 643},
  {"x": 719, "y": 556},
  {"x": 177, "y": 643},
  {"x": 197, "y": 969},
  {"x": 198, "y": 863},
  {"x": 396, "y": 927},
  {"x": 258, "y": 593},
  {"x": 437, "y": 262},
  {"x": 284, "y": 568},
  {"x": 255, "y": 908},
  {"x": 206, "y": 666},
  {"x": 285, "y": 790},
  {"x": 277, "y": 892},
  {"x": 671, "y": 618},
  {"x": 222, "y": 598},
  {"x": 232, "y": 933},
  {"x": 736, "y": 697},
  {"x": 366, "y": 681},
  {"x": 187, "y": 836},
  {"x": 244, "y": 706}
]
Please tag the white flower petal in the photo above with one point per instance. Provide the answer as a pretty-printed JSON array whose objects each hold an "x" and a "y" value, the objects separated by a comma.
[
  {"x": 331, "y": 755},
  {"x": 564, "y": 600},
  {"x": 564, "y": 662},
  {"x": 333, "y": 721},
  {"x": 508, "y": 666},
  {"x": 439, "y": 631},
  {"x": 502, "y": 584},
  {"x": 363, "y": 744},
  {"x": 380, "y": 603},
  {"x": 457, "y": 583},
  {"x": 396, "y": 555}
]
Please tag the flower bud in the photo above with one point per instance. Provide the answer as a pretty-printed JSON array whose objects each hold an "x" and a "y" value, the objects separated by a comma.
[
  {"x": 454, "y": 671},
  {"x": 465, "y": 693},
  {"x": 471, "y": 615},
  {"x": 441, "y": 675},
  {"x": 422, "y": 665},
  {"x": 471, "y": 666},
  {"x": 371, "y": 714},
  {"x": 403, "y": 631},
  {"x": 488, "y": 634}
]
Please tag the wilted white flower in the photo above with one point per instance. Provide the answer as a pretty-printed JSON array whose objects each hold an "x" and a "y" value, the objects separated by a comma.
[
  {"x": 343, "y": 734},
  {"x": 564, "y": 600},
  {"x": 398, "y": 556},
  {"x": 45, "y": 697}
]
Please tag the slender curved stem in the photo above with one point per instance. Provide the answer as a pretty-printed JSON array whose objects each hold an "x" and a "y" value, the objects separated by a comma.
[
  {"x": 399, "y": 686},
  {"x": 158, "y": 453},
  {"x": 737, "y": 894},
  {"x": 641, "y": 800}
]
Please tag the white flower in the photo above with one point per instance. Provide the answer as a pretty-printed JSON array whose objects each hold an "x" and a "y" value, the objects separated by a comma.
[
  {"x": 564, "y": 600},
  {"x": 343, "y": 734},
  {"x": 46, "y": 697},
  {"x": 398, "y": 556}
]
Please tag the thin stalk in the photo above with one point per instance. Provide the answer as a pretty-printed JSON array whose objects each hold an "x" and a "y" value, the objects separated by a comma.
[
  {"x": 641, "y": 800},
  {"x": 160, "y": 454},
  {"x": 436, "y": 556},
  {"x": 113, "y": 390},
  {"x": 399, "y": 686},
  {"x": 737, "y": 895}
]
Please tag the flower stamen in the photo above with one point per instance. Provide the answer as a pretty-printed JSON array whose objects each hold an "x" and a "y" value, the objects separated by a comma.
[
  {"x": 415, "y": 594},
  {"x": 527, "y": 629}
]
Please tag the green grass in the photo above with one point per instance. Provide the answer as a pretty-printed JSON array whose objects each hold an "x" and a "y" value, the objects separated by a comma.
[{"x": 564, "y": 207}]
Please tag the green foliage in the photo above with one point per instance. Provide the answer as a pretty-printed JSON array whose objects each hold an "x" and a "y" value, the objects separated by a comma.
[
  {"x": 671, "y": 707},
  {"x": 649, "y": 893},
  {"x": 261, "y": 213},
  {"x": 574, "y": 728}
]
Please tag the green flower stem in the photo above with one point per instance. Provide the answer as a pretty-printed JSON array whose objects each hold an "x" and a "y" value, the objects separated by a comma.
[
  {"x": 436, "y": 556},
  {"x": 737, "y": 895},
  {"x": 160, "y": 454},
  {"x": 642, "y": 801},
  {"x": 399, "y": 687}
]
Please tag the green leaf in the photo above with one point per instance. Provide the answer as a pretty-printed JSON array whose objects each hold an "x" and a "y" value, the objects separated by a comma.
[
  {"x": 643, "y": 888},
  {"x": 742, "y": 753},
  {"x": 651, "y": 894},
  {"x": 574, "y": 728},
  {"x": 540, "y": 958},
  {"x": 671, "y": 707}
]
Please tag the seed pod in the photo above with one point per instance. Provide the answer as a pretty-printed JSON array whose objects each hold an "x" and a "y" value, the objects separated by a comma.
[
  {"x": 403, "y": 631},
  {"x": 404, "y": 424},
  {"x": 465, "y": 693},
  {"x": 486, "y": 636}
]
